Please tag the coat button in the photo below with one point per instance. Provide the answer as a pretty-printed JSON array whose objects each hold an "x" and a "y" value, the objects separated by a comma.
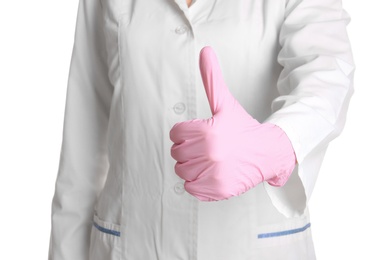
[
  {"x": 179, "y": 188},
  {"x": 181, "y": 29},
  {"x": 179, "y": 108}
]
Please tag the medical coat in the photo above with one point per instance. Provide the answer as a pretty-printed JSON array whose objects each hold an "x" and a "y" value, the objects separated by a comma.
[{"x": 134, "y": 73}]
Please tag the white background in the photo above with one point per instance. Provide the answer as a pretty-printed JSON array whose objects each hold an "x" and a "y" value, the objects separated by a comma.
[{"x": 349, "y": 206}]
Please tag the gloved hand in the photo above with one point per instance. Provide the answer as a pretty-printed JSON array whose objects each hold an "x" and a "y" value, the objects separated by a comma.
[{"x": 230, "y": 152}]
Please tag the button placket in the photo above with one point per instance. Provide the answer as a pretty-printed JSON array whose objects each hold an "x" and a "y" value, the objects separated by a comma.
[
  {"x": 182, "y": 29},
  {"x": 179, "y": 188},
  {"x": 179, "y": 108}
]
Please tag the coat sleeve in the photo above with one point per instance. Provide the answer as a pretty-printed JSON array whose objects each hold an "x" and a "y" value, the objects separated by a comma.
[
  {"x": 83, "y": 162},
  {"x": 315, "y": 88}
]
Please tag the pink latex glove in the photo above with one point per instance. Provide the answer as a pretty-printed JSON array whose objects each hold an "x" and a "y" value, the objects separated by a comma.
[{"x": 230, "y": 152}]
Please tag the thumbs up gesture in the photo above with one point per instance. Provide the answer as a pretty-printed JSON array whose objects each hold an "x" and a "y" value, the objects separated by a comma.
[{"x": 231, "y": 152}]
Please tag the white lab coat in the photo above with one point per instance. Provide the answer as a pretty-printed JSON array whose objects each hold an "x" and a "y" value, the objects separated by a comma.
[{"x": 134, "y": 74}]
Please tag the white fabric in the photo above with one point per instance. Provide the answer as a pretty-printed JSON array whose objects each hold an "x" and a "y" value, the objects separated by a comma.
[{"x": 134, "y": 74}]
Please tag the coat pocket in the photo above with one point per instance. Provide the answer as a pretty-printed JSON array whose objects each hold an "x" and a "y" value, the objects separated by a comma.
[
  {"x": 290, "y": 240},
  {"x": 105, "y": 240},
  {"x": 293, "y": 231}
]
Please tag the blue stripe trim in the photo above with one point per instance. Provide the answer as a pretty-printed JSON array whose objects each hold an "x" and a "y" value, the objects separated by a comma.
[
  {"x": 108, "y": 231},
  {"x": 284, "y": 233}
]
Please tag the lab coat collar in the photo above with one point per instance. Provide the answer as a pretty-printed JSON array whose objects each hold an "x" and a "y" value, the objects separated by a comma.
[
  {"x": 182, "y": 5},
  {"x": 197, "y": 9}
]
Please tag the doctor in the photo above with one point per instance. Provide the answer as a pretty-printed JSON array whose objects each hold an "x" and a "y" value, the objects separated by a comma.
[{"x": 173, "y": 150}]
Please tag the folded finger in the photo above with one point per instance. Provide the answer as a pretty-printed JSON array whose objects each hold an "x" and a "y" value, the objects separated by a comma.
[
  {"x": 186, "y": 130},
  {"x": 188, "y": 150},
  {"x": 190, "y": 170}
]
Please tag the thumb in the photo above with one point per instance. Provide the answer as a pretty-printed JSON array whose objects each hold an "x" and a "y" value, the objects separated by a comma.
[{"x": 214, "y": 84}]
